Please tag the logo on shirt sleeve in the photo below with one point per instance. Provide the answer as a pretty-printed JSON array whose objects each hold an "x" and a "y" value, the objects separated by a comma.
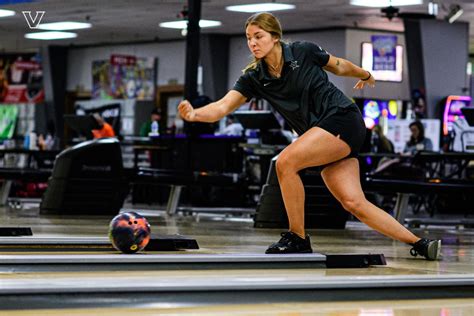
[{"x": 294, "y": 64}]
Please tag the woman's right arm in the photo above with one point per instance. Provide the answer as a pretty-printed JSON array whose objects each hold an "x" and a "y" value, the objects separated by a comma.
[{"x": 213, "y": 111}]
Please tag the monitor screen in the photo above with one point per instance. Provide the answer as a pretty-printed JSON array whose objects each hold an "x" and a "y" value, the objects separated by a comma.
[
  {"x": 382, "y": 75},
  {"x": 81, "y": 124},
  {"x": 452, "y": 110},
  {"x": 374, "y": 111},
  {"x": 262, "y": 120},
  {"x": 468, "y": 115}
]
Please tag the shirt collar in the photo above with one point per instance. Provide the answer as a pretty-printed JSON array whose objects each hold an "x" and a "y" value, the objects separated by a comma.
[
  {"x": 287, "y": 54},
  {"x": 287, "y": 58}
]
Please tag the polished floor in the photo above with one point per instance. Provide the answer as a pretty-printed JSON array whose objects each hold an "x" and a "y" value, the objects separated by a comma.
[{"x": 236, "y": 235}]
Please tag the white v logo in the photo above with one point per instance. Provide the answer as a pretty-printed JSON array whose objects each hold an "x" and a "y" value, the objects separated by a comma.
[{"x": 33, "y": 23}]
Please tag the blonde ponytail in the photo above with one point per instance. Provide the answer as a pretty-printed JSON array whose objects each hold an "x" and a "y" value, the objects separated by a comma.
[{"x": 252, "y": 65}]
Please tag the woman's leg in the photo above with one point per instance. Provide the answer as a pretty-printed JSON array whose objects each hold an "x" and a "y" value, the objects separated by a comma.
[
  {"x": 342, "y": 179},
  {"x": 316, "y": 147}
]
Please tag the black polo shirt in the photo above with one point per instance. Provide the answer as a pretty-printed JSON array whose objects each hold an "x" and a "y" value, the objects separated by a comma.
[{"x": 303, "y": 95}]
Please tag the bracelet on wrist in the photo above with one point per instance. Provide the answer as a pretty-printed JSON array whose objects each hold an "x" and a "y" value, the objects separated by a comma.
[{"x": 370, "y": 75}]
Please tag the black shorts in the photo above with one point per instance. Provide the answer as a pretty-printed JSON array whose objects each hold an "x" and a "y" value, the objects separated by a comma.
[{"x": 349, "y": 124}]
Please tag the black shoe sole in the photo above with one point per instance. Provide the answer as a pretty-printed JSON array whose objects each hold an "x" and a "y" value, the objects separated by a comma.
[{"x": 276, "y": 252}]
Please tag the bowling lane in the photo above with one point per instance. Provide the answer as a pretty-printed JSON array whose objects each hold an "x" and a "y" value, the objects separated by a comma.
[
  {"x": 142, "y": 286},
  {"x": 349, "y": 308}
]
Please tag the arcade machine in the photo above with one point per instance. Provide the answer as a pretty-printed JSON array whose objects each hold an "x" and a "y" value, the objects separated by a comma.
[
  {"x": 379, "y": 112},
  {"x": 463, "y": 131},
  {"x": 451, "y": 113}
]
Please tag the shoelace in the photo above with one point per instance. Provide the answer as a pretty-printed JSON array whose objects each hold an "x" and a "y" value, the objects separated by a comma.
[
  {"x": 286, "y": 236},
  {"x": 421, "y": 243}
]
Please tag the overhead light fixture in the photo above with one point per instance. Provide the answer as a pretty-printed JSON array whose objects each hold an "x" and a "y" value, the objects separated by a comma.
[
  {"x": 5, "y": 13},
  {"x": 50, "y": 35},
  {"x": 385, "y": 3},
  {"x": 183, "y": 24},
  {"x": 260, "y": 7},
  {"x": 433, "y": 8},
  {"x": 455, "y": 12},
  {"x": 64, "y": 26}
]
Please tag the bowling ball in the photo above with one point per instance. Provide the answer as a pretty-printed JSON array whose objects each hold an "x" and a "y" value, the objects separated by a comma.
[{"x": 129, "y": 232}]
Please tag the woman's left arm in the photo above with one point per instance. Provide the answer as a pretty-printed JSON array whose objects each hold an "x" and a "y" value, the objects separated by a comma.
[{"x": 343, "y": 67}]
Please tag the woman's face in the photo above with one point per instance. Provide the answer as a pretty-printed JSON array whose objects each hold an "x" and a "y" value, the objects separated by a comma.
[
  {"x": 415, "y": 132},
  {"x": 260, "y": 42}
]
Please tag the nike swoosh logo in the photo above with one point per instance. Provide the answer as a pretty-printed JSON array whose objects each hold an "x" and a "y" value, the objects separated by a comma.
[{"x": 266, "y": 84}]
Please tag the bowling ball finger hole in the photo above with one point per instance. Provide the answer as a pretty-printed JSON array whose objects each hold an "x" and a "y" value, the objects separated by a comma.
[{"x": 129, "y": 239}]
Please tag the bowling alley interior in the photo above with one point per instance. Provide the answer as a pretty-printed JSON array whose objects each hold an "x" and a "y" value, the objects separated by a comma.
[{"x": 237, "y": 157}]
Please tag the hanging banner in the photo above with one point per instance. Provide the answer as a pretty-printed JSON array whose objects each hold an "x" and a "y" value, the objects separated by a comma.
[
  {"x": 8, "y": 117},
  {"x": 123, "y": 77},
  {"x": 21, "y": 78},
  {"x": 384, "y": 52}
]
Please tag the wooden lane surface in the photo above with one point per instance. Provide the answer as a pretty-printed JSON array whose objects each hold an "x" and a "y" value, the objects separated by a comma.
[{"x": 351, "y": 308}]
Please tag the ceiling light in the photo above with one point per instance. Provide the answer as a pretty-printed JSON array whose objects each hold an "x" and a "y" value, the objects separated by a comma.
[
  {"x": 260, "y": 7},
  {"x": 4, "y": 13},
  {"x": 50, "y": 35},
  {"x": 433, "y": 8},
  {"x": 455, "y": 13},
  {"x": 63, "y": 26},
  {"x": 183, "y": 24},
  {"x": 385, "y": 3}
]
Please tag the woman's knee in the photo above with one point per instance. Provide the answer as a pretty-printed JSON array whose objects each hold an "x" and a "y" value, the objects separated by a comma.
[
  {"x": 354, "y": 205},
  {"x": 284, "y": 164}
]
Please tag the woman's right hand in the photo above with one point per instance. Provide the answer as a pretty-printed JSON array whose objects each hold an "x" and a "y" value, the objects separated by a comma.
[{"x": 186, "y": 111}]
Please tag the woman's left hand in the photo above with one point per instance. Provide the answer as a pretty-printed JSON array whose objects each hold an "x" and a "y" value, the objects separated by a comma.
[{"x": 362, "y": 83}]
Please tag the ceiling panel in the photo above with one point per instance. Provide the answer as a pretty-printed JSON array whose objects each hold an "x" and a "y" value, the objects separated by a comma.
[{"x": 137, "y": 20}]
